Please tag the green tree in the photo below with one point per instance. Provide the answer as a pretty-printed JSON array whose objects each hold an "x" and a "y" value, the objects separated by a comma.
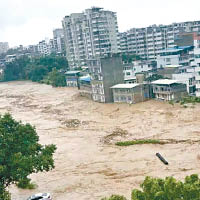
[
  {"x": 58, "y": 62},
  {"x": 36, "y": 72},
  {"x": 56, "y": 79},
  {"x": 154, "y": 77},
  {"x": 16, "y": 70},
  {"x": 20, "y": 153},
  {"x": 168, "y": 189},
  {"x": 33, "y": 69},
  {"x": 128, "y": 58}
]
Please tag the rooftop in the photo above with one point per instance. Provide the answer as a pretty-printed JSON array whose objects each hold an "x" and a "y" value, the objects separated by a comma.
[
  {"x": 85, "y": 78},
  {"x": 72, "y": 72},
  {"x": 172, "y": 66},
  {"x": 125, "y": 86},
  {"x": 165, "y": 81}
]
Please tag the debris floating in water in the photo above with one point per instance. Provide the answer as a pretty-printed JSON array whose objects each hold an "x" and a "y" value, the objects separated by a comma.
[{"x": 162, "y": 159}]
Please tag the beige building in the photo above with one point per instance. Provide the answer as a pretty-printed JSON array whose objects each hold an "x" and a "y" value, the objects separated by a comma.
[{"x": 130, "y": 93}]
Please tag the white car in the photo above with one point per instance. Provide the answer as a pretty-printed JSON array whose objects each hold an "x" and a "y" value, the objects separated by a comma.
[{"x": 40, "y": 196}]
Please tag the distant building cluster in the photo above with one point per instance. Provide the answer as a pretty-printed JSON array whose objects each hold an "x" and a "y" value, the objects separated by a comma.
[
  {"x": 4, "y": 47},
  {"x": 149, "y": 42},
  {"x": 159, "y": 61}
]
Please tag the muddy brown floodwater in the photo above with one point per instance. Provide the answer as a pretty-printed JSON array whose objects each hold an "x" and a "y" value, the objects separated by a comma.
[{"x": 88, "y": 165}]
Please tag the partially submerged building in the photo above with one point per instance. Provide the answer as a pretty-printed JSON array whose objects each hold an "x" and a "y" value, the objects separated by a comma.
[
  {"x": 166, "y": 90},
  {"x": 130, "y": 93},
  {"x": 85, "y": 86},
  {"x": 105, "y": 72},
  {"x": 72, "y": 78}
]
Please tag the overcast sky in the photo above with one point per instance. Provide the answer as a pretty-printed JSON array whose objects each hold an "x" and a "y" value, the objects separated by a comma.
[{"x": 29, "y": 21}]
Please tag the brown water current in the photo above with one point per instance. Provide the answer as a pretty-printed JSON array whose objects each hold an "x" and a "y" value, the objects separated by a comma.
[{"x": 88, "y": 164}]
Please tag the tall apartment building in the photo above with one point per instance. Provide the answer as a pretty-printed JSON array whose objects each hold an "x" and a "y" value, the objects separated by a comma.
[
  {"x": 150, "y": 41},
  {"x": 3, "y": 47},
  {"x": 105, "y": 72},
  {"x": 58, "y": 41},
  {"x": 90, "y": 34}
]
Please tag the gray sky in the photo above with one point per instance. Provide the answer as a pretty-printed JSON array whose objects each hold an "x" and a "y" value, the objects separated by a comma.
[{"x": 29, "y": 21}]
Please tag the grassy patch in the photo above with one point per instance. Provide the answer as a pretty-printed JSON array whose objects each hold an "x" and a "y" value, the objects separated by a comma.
[{"x": 134, "y": 142}]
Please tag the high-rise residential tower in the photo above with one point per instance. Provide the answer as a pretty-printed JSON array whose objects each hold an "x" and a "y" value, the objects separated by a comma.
[
  {"x": 58, "y": 41},
  {"x": 90, "y": 34}
]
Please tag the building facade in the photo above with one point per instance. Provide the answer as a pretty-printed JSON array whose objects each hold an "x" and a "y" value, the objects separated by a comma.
[
  {"x": 72, "y": 78},
  {"x": 131, "y": 69},
  {"x": 45, "y": 47},
  {"x": 150, "y": 41},
  {"x": 105, "y": 72},
  {"x": 90, "y": 34},
  {"x": 175, "y": 56},
  {"x": 58, "y": 41},
  {"x": 130, "y": 93},
  {"x": 167, "y": 90},
  {"x": 187, "y": 78},
  {"x": 196, "y": 63}
]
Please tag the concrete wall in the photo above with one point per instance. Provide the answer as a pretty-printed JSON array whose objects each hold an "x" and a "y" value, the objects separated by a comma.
[
  {"x": 167, "y": 72},
  {"x": 162, "y": 61},
  {"x": 112, "y": 70}
]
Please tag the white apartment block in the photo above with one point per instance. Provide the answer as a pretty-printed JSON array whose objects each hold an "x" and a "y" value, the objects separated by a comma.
[
  {"x": 187, "y": 78},
  {"x": 45, "y": 47},
  {"x": 3, "y": 47},
  {"x": 90, "y": 34},
  {"x": 150, "y": 41},
  {"x": 175, "y": 56},
  {"x": 131, "y": 69}
]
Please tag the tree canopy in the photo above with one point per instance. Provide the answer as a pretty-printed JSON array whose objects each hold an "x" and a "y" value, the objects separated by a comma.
[
  {"x": 165, "y": 189},
  {"x": 154, "y": 77},
  {"x": 128, "y": 58},
  {"x": 35, "y": 69},
  {"x": 20, "y": 153},
  {"x": 56, "y": 79}
]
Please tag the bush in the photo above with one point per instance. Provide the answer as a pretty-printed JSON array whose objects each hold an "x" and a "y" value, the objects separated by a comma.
[
  {"x": 4, "y": 194},
  {"x": 26, "y": 184},
  {"x": 115, "y": 197},
  {"x": 165, "y": 189},
  {"x": 190, "y": 99},
  {"x": 171, "y": 102}
]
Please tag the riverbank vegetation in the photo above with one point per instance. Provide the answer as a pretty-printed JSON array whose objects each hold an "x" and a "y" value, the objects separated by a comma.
[{"x": 47, "y": 69}]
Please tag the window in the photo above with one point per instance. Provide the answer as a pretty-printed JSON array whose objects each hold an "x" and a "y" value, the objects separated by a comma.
[
  {"x": 123, "y": 98},
  {"x": 116, "y": 98}
]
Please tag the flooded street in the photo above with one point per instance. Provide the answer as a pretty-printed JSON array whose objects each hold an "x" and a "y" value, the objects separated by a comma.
[{"x": 88, "y": 166}]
